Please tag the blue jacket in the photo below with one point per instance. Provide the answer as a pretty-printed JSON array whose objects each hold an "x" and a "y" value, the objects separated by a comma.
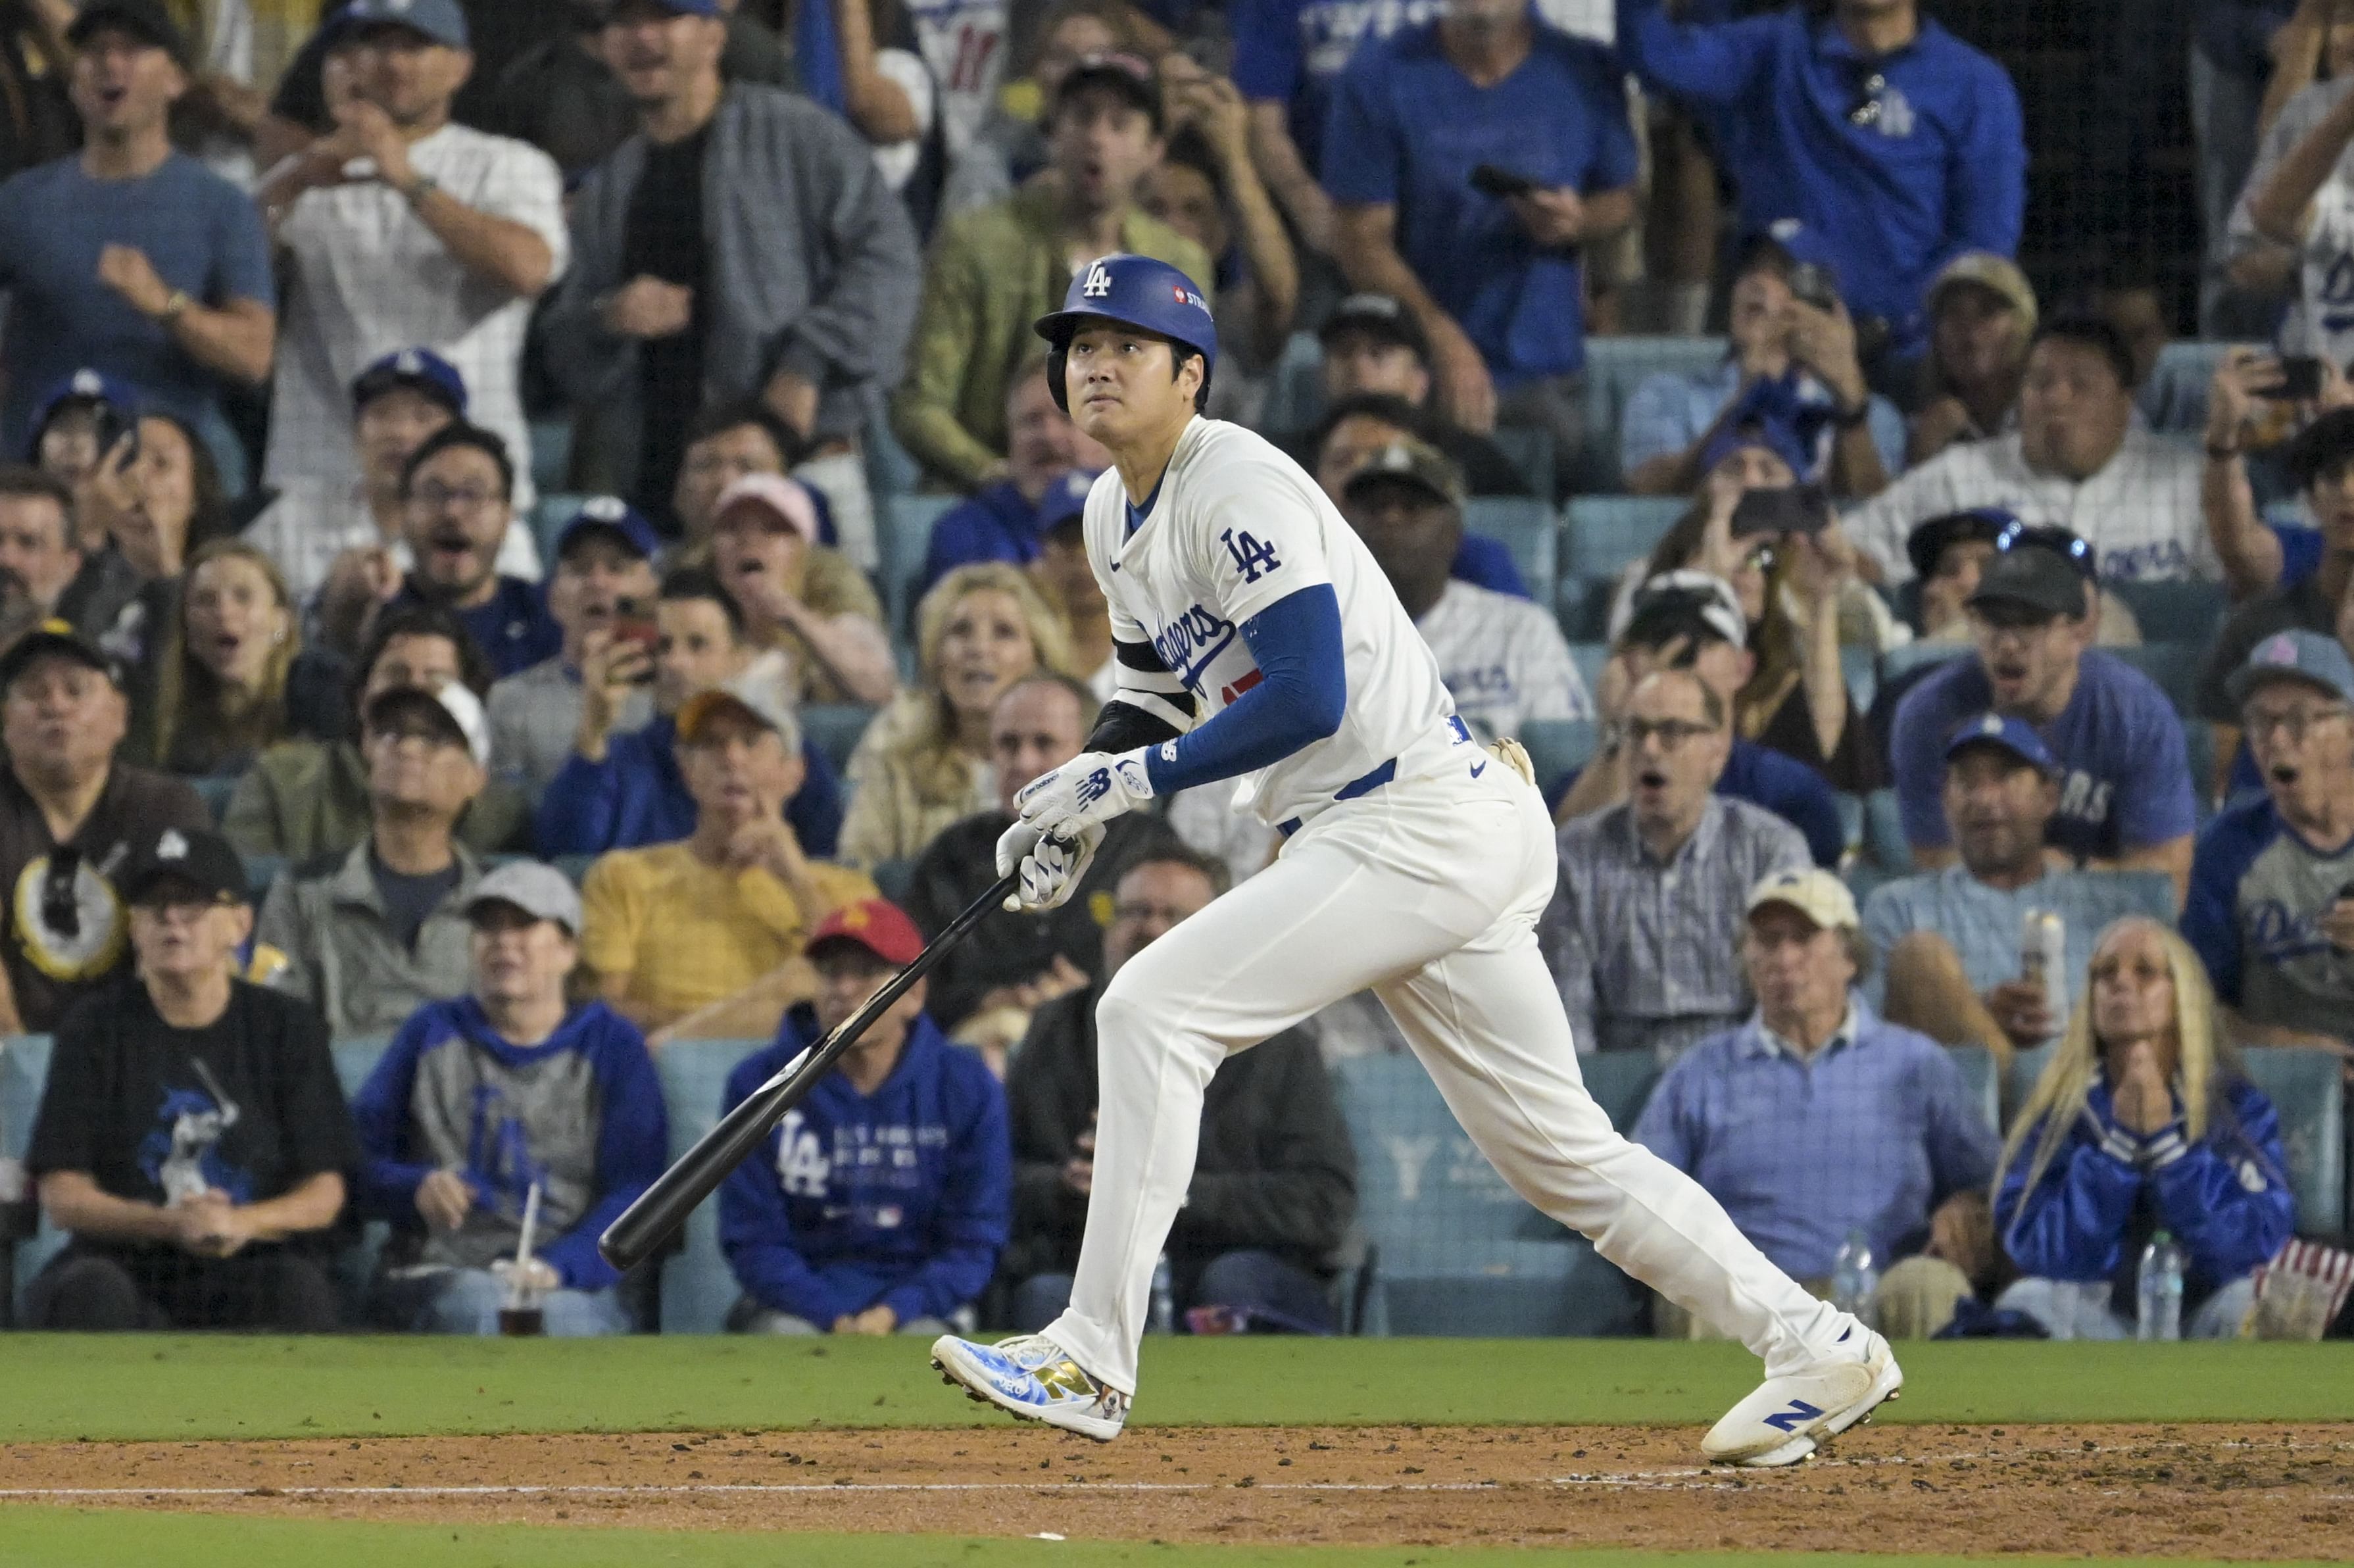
[
  {"x": 448, "y": 1092},
  {"x": 637, "y": 797},
  {"x": 995, "y": 524},
  {"x": 902, "y": 1197},
  {"x": 2225, "y": 1198}
]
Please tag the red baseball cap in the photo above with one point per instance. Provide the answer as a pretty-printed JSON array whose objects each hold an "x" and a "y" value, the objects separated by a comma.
[{"x": 878, "y": 925}]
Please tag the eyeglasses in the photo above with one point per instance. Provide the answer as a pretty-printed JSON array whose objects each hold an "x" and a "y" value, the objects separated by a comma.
[
  {"x": 441, "y": 497},
  {"x": 1672, "y": 734},
  {"x": 2291, "y": 722},
  {"x": 2059, "y": 541}
]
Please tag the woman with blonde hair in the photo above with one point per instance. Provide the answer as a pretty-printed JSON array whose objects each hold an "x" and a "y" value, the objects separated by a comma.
[
  {"x": 2143, "y": 1121},
  {"x": 226, "y": 685},
  {"x": 923, "y": 762}
]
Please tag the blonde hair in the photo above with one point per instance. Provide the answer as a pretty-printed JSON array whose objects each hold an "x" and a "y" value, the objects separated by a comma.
[
  {"x": 2205, "y": 1061},
  {"x": 927, "y": 745},
  {"x": 186, "y": 690}
]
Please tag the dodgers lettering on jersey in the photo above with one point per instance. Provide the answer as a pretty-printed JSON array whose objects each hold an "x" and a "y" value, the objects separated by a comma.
[{"x": 1236, "y": 527}]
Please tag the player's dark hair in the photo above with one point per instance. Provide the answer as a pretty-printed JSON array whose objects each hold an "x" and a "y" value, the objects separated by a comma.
[
  {"x": 459, "y": 433},
  {"x": 2087, "y": 330},
  {"x": 719, "y": 419},
  {"x": 696, "y": 583},
  {"x": 401, "y": 621}
]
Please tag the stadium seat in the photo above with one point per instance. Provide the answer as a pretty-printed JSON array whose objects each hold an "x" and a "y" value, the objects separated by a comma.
[
  {"x": 1605, "y": 531},
  {"x": 573, "y": 866},
  {"x": 1862, "y": 668},
  {"x": 24, "y": 1069},
  {"x": 835, "y": 729},
  {"x": 1978, "y": 1077},
  {"x": 551, "y": 454},
  {"x": 1589, "y": 658},
  {"x": 1531, "y": 452},
  {"x": 2173, "y": 398},
  {"x": 2174, "y": 666},
  {"x": 1295, "y": 388},
  {"x": 2026, "y": 1066},
  {"x": 2174, "y": 611},
  {"x": 906, "y": 522},
  {"x": 1454, "y": 1250},
  {"x": 1913, "y": 655},
  {"x": 1614, "y": 367},
  {"x": 1582, "y": 606},
  {"x": 892, "y": 878},
  {"x": 260, "y": 870},
  {"x": 697, "y": 1286},
  {"x": 2304, "y": 1085},
  {"x": 548, "y": 520},
  {"x": 1884, "y": 844},
  {"x": 1530, "y": 529},
  {"x": 1557, "y": 748}
]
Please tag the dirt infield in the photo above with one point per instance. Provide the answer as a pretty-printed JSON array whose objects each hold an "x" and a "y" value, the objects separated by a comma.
[{"x": 2252, "y": 1491}]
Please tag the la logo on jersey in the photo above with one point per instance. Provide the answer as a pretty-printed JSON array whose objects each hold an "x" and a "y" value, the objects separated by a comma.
[{"x": 1099, "y": 283}]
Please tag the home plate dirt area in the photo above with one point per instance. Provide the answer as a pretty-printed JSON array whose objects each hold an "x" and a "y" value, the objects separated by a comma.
[{"x": 2250, "y": 1490}]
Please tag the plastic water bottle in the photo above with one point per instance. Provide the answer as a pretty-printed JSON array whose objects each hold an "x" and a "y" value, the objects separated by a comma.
[
  {"x": 2159, "y": 1295},
  {"x": 1853, "y": 1277},
  {"x": 1164, "y": 1300}
]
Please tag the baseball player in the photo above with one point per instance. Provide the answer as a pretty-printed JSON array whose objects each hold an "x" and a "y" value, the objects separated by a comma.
[{"x": 1258, "y": 640}]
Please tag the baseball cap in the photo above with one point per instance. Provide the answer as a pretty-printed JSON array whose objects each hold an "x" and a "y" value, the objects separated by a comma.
[
  {"x": 1927, "y": 544},
  {"x": 59, "y": 637},
  {"x": 615, "y": 519},
  {"x": 84, "y": 385},
  {"x": 1137, "y": 292},
  {"x": 755, "y": 700},
  {"x": 1814, "y": 892},
  {"x": 878, "y": 925},
  {"x": 1998, "y": 275},
  {"x": 2312, "y": 657},
  {"x": 2015, "y": 735},
  {"x": 453, "y": 706},
  {"x": 2037, "y": 578},
  {"x": 1377, "y": 315},
  {"x": 1410, "y": 462},
  {"x": 788, "y": 498},
  {"x": 539, "y": 890},
  {"x": 144, "y": 19},
  {"x": 1683, "y": 603},
  {"x": 1123, "y": 73},
  {"x": 419, "y": 370},
  {"x": 1758, "y": 427},
  {"x": 197, "y": 856},
  {"x": 443, "y": 21},
  {"x": 1065, "y": 499},
  {"x": 1785, "y": 244}
]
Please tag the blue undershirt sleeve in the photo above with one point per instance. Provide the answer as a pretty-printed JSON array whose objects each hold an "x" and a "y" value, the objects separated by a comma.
[{"x": 1302, "y": 692}]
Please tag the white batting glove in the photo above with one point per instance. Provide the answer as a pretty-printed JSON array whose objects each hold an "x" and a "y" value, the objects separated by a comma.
[
  {"x": 1051, "y": 868},
  {"x": 1092, "y": 788}
]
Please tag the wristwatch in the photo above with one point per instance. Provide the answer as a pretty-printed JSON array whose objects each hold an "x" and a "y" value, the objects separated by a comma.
[{"x": 1849, "y": 418}]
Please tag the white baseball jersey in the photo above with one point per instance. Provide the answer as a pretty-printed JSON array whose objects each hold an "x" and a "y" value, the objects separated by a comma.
[
  {"x": 1503, "y": 659},
  {"x": 1235, "y": 526}
]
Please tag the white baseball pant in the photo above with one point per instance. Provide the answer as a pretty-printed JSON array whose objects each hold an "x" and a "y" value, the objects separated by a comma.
[{"x": 1428, "y": 892}]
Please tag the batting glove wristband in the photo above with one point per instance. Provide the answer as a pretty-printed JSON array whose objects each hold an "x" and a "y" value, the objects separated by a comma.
[
  {"x": 1092, "y": 788},
  {"x": 1051, "y": 869}
]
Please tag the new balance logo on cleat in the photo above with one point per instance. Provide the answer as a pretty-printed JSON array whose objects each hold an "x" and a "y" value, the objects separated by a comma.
[{"x": 1789, "y": 1420}]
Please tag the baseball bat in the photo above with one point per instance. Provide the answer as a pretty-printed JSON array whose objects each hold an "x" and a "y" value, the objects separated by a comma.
[{"x": 663, "y": 1207}]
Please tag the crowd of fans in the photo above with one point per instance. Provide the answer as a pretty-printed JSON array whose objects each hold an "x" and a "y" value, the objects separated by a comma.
[{"x": 314, "y": 732}]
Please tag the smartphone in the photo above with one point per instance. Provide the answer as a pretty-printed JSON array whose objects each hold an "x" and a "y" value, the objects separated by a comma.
[
  {"x": 2300, "y": 380},
  {"x": 1490, "y": 180},
  {"x": 634, "y": 621},
  {"x": 1796, "y": 509},
  {"x": 1812, "y": 284}
]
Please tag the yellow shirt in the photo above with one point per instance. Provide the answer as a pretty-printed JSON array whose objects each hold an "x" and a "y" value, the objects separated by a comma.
[{"x": 688, "y": 934}]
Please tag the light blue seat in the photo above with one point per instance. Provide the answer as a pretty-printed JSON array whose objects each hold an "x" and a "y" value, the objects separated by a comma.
[
  {"x": 1884, "y": 844},
  {"x": 1862, "y": 668},
  {"x": 24, "y": 1069},
  {"x": 1582, "y": 605},
  {"x": 1589, "y": 658},
  {"x": 1605, "y": 531},
  {"x": 2026, "y": 1066},
  {"x": 1454, "y": 1250},
  {"x": 551, "y": 454},
  {"x": 1913, "y": 655},
  {"x": 835, "y": 729},
  {"x": 1614, "y": 367},
  {"x": 697, "y": 1286},
  {"x": 1531, "y": 452},
  {"x": 2175, "y": 611},
  {"x": 1530, "y": 529},
  {"x": 548, "y": 520},
  {"x": 892, "y": 878},
  {"x": 905, "y": 524},
  {"x": 260, "y": 870},
  {"x": 1295, "y": 389},
  {"x": 1978, "y": 1077},
  {"x": 2304, "y": 1085},
  {"x": 2173, "y": 666},
  {"x": 1557, "y": 748}
]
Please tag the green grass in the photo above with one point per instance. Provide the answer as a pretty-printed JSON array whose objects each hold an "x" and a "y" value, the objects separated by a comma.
[
  {"x": 64, "y": 1538},
  {"x": 156, "y": 1387}
]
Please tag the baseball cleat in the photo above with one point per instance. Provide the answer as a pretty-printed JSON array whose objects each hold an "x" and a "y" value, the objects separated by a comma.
[
  {"x": 1033, "y": 1377},
  {"x": 1781, "y": 1422}
]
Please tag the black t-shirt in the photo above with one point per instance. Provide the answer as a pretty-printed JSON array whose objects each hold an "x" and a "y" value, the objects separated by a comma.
[
  {"x": 64, "y": 929},
  {"x": 249, "y": 1104},
  {"x": 2299, "y": 606},
  {"x": 663, "y": 238}
]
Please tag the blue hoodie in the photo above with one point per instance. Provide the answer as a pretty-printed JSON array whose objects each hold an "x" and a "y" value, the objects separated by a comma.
[
  {"x": 902, "y": 1197},
  {"x": 637, "y": 797},
  {"x": 996, "y": 523},
  {"x": 581, "y": 1113}
]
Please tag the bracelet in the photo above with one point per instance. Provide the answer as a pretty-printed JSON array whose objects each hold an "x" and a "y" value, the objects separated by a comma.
[
  {"x": 418, "y": 188},
  {"x": 2222, "y": 454},
  {"x": 175, "y": 305},
  {"x": 1849, "y": 419}
]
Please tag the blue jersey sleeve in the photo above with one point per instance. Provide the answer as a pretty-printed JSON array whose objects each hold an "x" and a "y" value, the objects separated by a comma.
[{"x": 1302, "y": 694}]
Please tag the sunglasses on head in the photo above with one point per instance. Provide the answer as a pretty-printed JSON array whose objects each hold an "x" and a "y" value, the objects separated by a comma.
[{"x": 2059, "y": 541}]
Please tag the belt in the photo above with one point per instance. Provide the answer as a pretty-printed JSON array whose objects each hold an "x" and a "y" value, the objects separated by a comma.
[{"x": 1368, "y": 782}]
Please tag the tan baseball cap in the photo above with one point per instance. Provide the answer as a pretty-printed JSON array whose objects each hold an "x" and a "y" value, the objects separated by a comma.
[
  {"x": 1992, "y": 272},
  {"x": 1814, "y": 892}
]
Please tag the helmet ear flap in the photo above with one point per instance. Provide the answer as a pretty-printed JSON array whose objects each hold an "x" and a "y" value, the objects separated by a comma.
[{"x": 1057, "y": 358}]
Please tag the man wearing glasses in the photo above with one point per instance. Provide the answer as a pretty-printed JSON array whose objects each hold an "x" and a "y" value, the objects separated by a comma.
[
  {"x": 2271, "y": 909},
  {"x": 1644, "y": 930},
  {"x": 2126, "y": 797},
  {"x": 459, "y": 493}
]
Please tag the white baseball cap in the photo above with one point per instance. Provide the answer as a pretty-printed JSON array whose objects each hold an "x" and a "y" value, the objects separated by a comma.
[
  {"x": 1814, "y": 892},
  {"x": 455, "y": 700}
]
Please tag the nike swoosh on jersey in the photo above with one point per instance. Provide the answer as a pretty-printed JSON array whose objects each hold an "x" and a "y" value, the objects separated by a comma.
[{"x": 1478, "y": 770}]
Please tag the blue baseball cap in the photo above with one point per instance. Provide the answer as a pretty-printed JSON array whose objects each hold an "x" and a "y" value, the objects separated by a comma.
[
  {"x": 440, "y": 20},
  {"x": 1066, "y": 498},
  {"x": 83, "y": 385},
  {"x": 1130, "y": 291},
  {"x": 615, "y": 518},
  {"x": 419, "y": 370},
  {"x": 2312, "y": 657},
  {"x": 2015, "y": 735}
]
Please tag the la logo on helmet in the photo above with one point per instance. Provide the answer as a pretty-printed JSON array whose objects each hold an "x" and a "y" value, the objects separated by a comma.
[{"x": 1099, "y": 283}]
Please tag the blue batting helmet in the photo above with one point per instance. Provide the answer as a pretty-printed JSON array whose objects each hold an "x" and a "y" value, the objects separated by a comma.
[{"x": 1137, "y": 291}]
